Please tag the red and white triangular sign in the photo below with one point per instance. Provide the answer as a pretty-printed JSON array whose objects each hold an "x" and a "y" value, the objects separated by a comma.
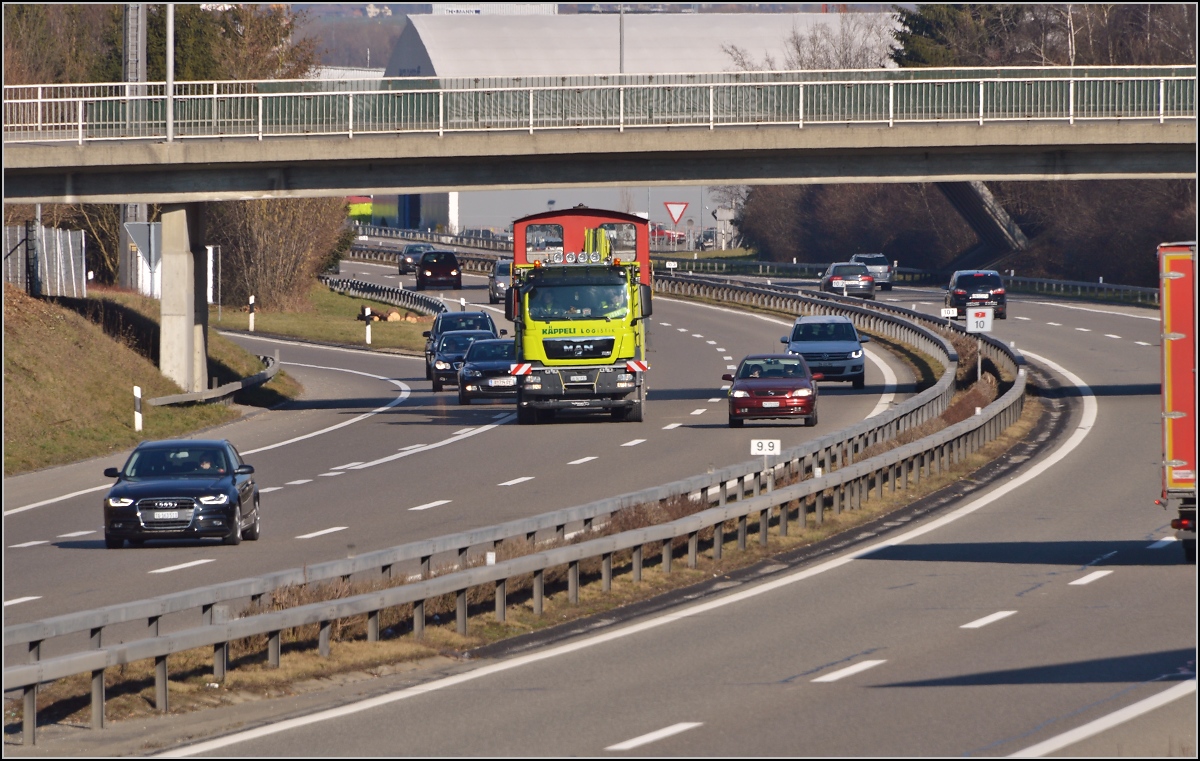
[{"x": 675, "y": 209}]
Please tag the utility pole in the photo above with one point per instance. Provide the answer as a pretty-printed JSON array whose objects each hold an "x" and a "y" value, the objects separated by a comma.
[{"x": 133, "y": 70}]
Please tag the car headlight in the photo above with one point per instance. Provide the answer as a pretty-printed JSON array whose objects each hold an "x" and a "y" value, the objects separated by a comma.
[
  {"x": 738, "y": 393},
  {"x": 428, "y": 273},
  {"x": 453, "y": 272},
  {"x": 215, "y": 499},
  {"x": 802, "y": 392},
  {"x": 441, "y": 365},
  {"x": 472, "y": 374},
  {"x": 856, "y": 354},
  {"x": 119, "y": 501}
]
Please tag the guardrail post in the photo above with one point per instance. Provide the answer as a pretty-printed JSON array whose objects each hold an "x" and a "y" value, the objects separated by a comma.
[
  {"x": 693, "y": 545},
  {"x": 373, "y": 626},
  {"x": 560, "y": 532},
  {"x": 741, "y": 533},
  {"x": 462, "y": 557},
  {"x": 667, "y": 551},
  {"x": 606, "y": 572},
  {"x": 501, "y": 599},
  {"x": 819, "y": 508},
  {"x": 160, "y": 683},
  {"x": 837, "y": 498},
  {"x": 29, "y": 717},
  {"x": 98, "y": 699},
  {"x": 573, "y": 582},
  {"x": 460, "y": 610},
  {"x": 220, "y": 660},
  {"x": 424, "y": 566},
  {"x": 539, "y": 590},
  {"x": 274, "y": 648},
  {"x": 323, "y": 640},
  {"x": 764, "y": 520},
  {"x": 718, "y": 540},
  {"x": 637, "y": 563},
  {"x": 418, "y": 619},
  {"x": 784, "y": 509}
]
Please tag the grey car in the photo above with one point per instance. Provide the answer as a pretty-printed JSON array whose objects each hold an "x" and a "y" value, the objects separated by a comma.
[
  {"x": 411, "y": 254},
  {"x": 500, "y": 280},
  {"x": 880, "y": 267},
  {"x": 831, "y": 346},
  {"x": 849, "y": 279}
]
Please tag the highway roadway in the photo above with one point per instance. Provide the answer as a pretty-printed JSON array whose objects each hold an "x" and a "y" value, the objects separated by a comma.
[{"x": 1034, "y": 607}]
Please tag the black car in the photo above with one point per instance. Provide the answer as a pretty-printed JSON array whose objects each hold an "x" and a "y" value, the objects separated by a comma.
[
  {"x": 977, "y": 288},
  {"x": 181, "y": 489},
  {"x": 486, "y": 371},
  {"x": 449, "y": 352},
  {"x": 447, "y": 321},
  {"x": 439, "y": 268},
  {"x": 411, "y": 254}
]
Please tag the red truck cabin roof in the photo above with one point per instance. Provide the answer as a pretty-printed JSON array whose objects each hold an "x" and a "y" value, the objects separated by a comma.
[{"x": 538, "y": 236}]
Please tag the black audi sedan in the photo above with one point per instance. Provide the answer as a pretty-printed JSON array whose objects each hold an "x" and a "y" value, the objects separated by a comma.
[
  {"x": 182, "y": 489},
  {"x": 486, "y": 371}
]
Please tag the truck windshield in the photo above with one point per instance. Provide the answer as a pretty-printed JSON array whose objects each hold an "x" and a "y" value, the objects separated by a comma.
[{"x": 578, "y": 302}]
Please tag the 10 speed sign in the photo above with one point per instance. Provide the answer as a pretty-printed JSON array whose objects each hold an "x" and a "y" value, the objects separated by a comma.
[{"x": 979, "y": 319}]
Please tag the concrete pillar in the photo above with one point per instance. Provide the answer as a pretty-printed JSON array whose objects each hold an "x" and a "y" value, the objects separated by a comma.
[{"x": 183, "y": 339}]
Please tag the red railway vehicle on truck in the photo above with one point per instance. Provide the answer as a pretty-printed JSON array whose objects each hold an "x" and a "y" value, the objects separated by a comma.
[{"x": 1177, "y": 300}]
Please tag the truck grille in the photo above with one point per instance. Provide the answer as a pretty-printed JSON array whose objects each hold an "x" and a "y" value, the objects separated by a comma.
[{"x": 578, "y": 348}]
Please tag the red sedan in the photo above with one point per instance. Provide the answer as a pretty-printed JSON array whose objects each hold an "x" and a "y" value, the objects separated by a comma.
[{"x": 772, "y": 386}]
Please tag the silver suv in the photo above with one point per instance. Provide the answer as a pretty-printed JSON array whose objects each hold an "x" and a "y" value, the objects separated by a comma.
[
  {"x": 831, "y": 346},
  {"x": 880, "y": 268},
  {"x": 500, "y": 280}
]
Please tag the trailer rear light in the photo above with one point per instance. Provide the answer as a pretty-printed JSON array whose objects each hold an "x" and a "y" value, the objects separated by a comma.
[{"x": 1184, "y": 524}]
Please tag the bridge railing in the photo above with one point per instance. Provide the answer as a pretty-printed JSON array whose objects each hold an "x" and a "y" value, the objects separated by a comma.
[{"x": 81, "y": 113}]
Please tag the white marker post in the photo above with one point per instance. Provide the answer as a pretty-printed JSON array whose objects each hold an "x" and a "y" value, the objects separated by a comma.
[
  {"x": 979, "y": 320},
  {"x": 137, "y": 408},
  {"x": 765, "y": 447},
  {"x": 367, "y": 317},
  {"x": 251, "y": 314}
]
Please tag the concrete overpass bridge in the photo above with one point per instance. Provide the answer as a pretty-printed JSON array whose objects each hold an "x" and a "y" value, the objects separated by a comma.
[{"x": 212, "y": 141}]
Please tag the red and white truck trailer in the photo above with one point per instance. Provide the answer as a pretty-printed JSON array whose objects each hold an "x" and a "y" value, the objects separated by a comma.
[{"x": 1177, "y": 300}]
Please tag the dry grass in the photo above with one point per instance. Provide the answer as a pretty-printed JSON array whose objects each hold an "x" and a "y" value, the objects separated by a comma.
[{"x": 131, "y": 687}]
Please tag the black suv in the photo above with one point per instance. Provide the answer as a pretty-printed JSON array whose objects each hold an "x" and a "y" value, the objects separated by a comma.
[
  {"x": 181, "y": 489},
  {"x": 447, "y": 321},
  {"x": 977, "y": 288}
]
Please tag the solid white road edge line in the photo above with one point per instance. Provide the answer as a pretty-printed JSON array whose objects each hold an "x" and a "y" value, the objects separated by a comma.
[
  {"x": 181, "y": 566},
  {"x": 1183, "y": 689},
  {"x": 1072, "y": 442},
  {"x": 650, "y": 737}
]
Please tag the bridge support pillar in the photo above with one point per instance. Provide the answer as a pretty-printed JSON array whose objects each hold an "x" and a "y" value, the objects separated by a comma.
[{"x": 182, "y": 343}]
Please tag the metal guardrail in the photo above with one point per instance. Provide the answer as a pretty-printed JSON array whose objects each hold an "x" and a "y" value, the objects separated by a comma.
[
  {"x": 83, "y": 113},
  {"x": 1080, "y": 289},
  {"x": 227, "y": 390},
  {"x": 417, "y": 302},
  {"x": 835, "y": 450}
]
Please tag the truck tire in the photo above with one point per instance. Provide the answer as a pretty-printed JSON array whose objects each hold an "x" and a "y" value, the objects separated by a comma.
[
  {"x": 634, "y": 414},
  {"x": 526, "y": 415}
]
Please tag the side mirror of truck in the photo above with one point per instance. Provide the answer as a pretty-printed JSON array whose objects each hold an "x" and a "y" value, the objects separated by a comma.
[
  {"x": 510, "y": 304},
  {"x": 645, "y": 298}
]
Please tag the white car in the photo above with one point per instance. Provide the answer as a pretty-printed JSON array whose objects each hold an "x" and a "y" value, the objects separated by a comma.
[{"x": 879, "y": 266}]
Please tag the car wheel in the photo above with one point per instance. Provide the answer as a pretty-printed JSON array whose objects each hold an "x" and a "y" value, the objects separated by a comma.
[
  {"x": 418, "y": 286},
  {"x": 1002, "y": 315},
  {"x": 492, "y": 299},
  {"x": 736, "y": 422},
  {"x": 458, "y": 285},
  {"x": 887, "y": 286},
  {"x": 860, "y": 382},
  {"x": 812, "y": 420},
  {"x": 428, "y": 372},
  {"x": 254, "y": 531},
  {"x": 437, "y": 385},
  {"x": 463, "y": 398},
  {"x": 113, "y": 542},
  {"x": 235, "y": 538}
]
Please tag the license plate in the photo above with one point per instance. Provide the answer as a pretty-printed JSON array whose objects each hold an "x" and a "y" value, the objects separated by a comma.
[
  {"x": 980, "y": 296},
  {"x": 502, "y": 381},
  {"x": 578, "y": 379},
  {"x": 162, "y": 515},
  {"x": 770, "y": 404}
]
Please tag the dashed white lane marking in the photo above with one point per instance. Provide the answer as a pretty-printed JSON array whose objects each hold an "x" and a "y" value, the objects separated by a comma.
[
  {"x": 1021, "y": 318},
  {"x": 74, "y": 534},
  {"x": 848, "y": 671},
  {"x": 730, "y": 367},
  {"x": 499, "y": 416},
  {"x": 721, "y": 348},
  {"x": 1104, "y": 723},
  {"x": 454, "y": 439},
  {"x": 347, "y": 466},
  {"x": 645, "y": 739},
  {"x": 665, "y": 324},
  {"x": 322, "y": 532},
  {"x": 435, "y": 503},
  {"x": 332, "y": 473},
  {"x": 725, "y": 387},
  {"x": 714, "y": 399},
  {"x": 1164, "y": 542},
  {"x": 581, "y": 460},
  {"x": 28, "y": 544},
  {"x": 711, "y": 343},
  {"x": 300, "y": 482},
  {"x": 1142, "y": 343},
  {"x": 1055, "y": 324},
  {"x": 727, "y": 358},
  {"x": 1110, "y": 335},
  {"x": 697, "y": 335},
  {"x": 981, "y": 622},
  {"x": 1090, "y": 578},
  {"x": 516, "y": 481},
  {"x": 181, "y": 566},
  {"x": 269, "y": 489},
  {"x": 20, "y": 600},
  {"x": 682, "y": 330},
  {"x": 671, "y": 426},
  {"x": 1084, "y": 330},
  {"x": 700, "y": 411},
  {"x": 633, "y": 443}
]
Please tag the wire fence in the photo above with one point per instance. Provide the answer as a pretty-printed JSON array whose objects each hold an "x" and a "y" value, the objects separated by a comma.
[{"x": 52, "y": 263}]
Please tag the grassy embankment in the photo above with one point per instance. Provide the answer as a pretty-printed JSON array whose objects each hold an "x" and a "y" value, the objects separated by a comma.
[{"x": 70, "y": 367}]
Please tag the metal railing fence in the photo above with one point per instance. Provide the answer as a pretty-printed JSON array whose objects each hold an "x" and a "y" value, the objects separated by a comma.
[
  {"x": 55, "y": 265},
  {"x": 84, "y": 113}
]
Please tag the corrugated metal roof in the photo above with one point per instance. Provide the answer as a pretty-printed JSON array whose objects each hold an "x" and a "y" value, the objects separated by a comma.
[{"x": 567, "y": 45}]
